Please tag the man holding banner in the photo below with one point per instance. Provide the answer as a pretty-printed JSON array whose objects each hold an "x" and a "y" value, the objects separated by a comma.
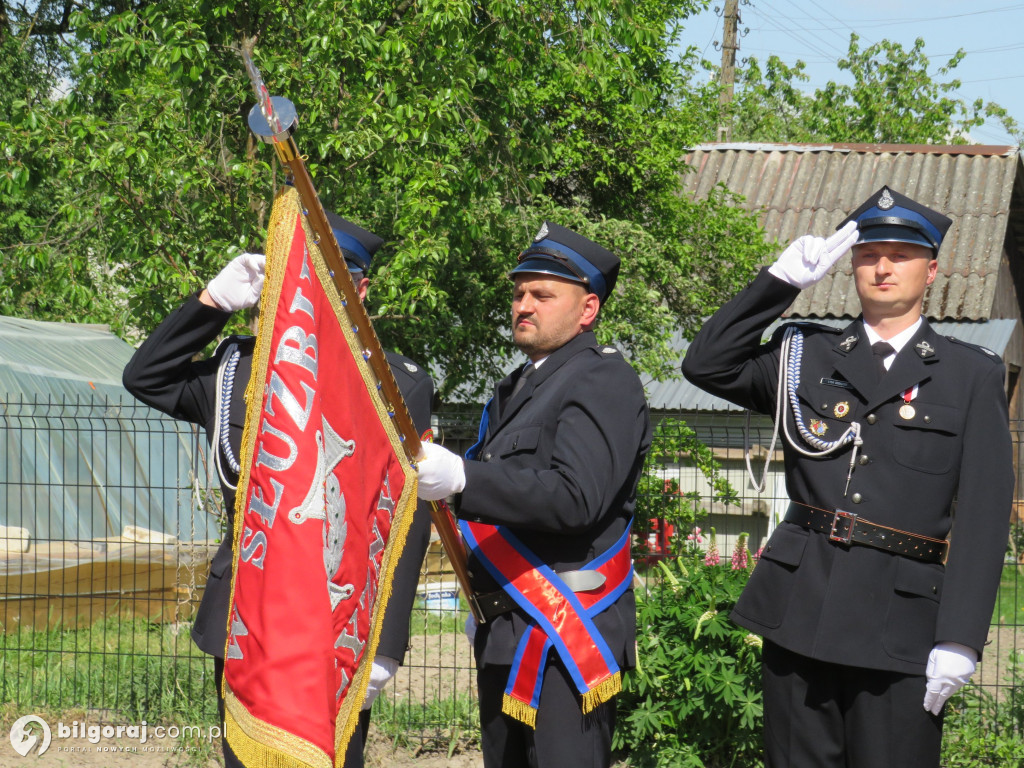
[
  {"x": 545, "y": 506},
  {"x": 211, "y": 393}
]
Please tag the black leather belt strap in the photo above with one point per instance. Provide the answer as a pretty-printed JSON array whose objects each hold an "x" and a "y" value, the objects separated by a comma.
[
  {"x": 495, "y": 603},
  {"x": 498, "y": 602},
  {"x": 847, "y": 528}
]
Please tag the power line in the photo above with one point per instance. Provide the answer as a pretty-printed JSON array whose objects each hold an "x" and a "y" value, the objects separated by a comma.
[{"x": 791, "y": 31}]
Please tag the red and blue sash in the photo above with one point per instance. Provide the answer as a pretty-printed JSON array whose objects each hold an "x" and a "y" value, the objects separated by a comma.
[{"x": 559, "y": 617}]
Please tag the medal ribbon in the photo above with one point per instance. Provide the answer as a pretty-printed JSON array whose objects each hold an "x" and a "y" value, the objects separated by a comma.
[{"x": 559, "y": 617}]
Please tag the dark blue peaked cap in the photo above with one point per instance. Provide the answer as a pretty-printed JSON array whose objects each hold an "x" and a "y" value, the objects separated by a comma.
[
  {"x": 357, "y": 244},
  {"x": 561, "y": 252},
  {"x": 888, "y": 216}
]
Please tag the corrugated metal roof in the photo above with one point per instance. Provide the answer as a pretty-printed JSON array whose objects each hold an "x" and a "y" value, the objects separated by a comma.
[
  {"x": 810, "y": 188},
  {"x": 681, "y": 395}
]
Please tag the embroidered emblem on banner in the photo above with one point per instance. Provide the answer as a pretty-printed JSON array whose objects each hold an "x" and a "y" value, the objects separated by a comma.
[{"x": 324, "y": 503}]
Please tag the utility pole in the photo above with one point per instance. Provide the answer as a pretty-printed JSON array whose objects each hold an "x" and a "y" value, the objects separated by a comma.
[{"x": 730, "y": 44}]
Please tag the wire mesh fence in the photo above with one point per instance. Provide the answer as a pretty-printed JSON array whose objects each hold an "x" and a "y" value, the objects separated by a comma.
[{"x": 109, "y": 515}]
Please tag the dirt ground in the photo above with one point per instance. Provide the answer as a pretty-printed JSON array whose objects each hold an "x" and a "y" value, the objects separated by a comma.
[
  {"x": 429, "y": 672},
  {"x": 437, "y": 667},
  {"x": 169, "y": 753}
]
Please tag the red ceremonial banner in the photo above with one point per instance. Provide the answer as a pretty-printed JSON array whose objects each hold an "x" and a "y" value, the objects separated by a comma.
[{"x": 324, "y": 503}]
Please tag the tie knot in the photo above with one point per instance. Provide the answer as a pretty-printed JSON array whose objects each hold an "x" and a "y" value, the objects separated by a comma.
[{"x": 882, "y": 349}]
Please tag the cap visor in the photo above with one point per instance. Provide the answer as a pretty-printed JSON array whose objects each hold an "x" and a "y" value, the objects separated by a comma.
[
  {"x": 543, "y": 266},
  {"x": 893, "y": 234}
]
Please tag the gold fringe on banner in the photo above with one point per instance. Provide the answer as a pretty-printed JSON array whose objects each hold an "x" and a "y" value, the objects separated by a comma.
[{"x": 251, "y": 742}]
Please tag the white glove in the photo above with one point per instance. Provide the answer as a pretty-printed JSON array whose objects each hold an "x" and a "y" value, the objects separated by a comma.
[
  {"x": 238, "y": 285},
  {"x": 383, "y": 669},
  {"x": 441, "y": 473},
  {"x": 950, "y": 666},
  {"x": 470, "y": 628},
  {"x": 808, "y": 258}
]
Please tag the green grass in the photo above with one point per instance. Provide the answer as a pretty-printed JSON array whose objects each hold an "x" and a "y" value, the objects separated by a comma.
[
  {"x": 132, "y": 670},
  {"x": 1009, "y": 608},
  {"x": 454, "y": 723}
]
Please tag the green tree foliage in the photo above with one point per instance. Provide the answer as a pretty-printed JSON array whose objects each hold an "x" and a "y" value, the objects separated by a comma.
[
  {"x": 893, "y": 99},
  {"x": 450, "y": 128}
]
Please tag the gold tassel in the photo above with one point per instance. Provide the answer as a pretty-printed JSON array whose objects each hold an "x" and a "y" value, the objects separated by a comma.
[
  {"x": 602, "y": 692},
  {"x": 522, "y": 712},
  {"x": 254, "y": 754}
]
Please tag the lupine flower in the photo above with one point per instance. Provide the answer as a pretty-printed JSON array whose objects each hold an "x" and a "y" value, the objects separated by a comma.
[
  {"x": 712, "y": 557},
  {"x": 739, "y": 553}
]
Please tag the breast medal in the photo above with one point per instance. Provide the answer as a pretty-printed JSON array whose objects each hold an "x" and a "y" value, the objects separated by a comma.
[{"x": 907, "y": 411}]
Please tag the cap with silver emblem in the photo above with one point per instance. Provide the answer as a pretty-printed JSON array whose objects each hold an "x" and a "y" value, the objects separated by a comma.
[
  {"x": 561, "y": 252},
  {"x": 888, "y": 216}
]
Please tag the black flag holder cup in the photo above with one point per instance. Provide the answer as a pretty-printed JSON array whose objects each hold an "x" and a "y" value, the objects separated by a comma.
[{"x": 273, "y": 120}]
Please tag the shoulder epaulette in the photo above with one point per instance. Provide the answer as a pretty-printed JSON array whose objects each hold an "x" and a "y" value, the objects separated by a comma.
[
  {"x": 810, "y": 325},
  {"x": 984, "y": 351}
]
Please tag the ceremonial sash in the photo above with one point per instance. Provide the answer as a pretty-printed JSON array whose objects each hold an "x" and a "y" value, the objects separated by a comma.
[
  {"x": 559, "y": 617},
  {"x": 324, "y": 502}
]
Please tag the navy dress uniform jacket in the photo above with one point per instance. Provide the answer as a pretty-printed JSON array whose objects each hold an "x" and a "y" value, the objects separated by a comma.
[
  {"x": 162, "y": 374},
  {"x": 559, "y": 466},
  {"x": 853, "y": 604}
]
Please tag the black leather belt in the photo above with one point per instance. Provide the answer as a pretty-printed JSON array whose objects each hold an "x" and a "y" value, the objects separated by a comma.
[
  {"x": 847, "y": 528},
  {"x": 498, "y": 602},
  {"x": 494, "y": 604}
]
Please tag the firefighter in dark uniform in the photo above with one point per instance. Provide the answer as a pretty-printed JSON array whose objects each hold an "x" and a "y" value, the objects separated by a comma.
[
  {"x": 875, "y": 594},
  {"x": 555, "y": 472},
  {"x": 210, "y": 392}
]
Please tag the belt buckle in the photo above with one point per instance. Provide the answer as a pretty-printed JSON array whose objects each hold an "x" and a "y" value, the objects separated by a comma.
[{"x": 842, "y": 526}]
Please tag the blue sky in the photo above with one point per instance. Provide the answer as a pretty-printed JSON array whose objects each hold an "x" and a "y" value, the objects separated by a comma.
[{"x": 818, "y": 33}]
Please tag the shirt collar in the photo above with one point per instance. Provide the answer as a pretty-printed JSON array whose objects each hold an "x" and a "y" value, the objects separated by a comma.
[{"x": 899, "y": 341}]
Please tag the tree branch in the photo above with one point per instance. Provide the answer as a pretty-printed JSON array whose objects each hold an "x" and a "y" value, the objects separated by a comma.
[{"x": 400, "y": 11}]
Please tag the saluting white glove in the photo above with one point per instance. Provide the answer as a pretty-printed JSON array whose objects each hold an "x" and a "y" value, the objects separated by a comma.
[
  {"x": 441, "y": 473},
  {"x": 239, "y": 284},
  {"x": 950, "y": 666},
  {"x": 383, "y": 669},
  {"x": 808, "y": 258}
]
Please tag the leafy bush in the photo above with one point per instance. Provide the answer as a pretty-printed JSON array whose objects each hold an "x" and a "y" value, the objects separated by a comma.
[
  {"x": 983, "y": 728},
  {"x": 694, "y": 699}
]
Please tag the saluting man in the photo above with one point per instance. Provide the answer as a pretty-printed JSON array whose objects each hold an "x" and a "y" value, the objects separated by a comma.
[
  {"x": 211, "y": 393},
  {"x": 547, "y": 496},
  {"x": 874, "y": 596}
]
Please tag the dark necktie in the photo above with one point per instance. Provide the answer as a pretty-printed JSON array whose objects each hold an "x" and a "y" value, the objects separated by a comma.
[
  {"x": 521, "y": 381},
  {"x": 881, "y": 350}
]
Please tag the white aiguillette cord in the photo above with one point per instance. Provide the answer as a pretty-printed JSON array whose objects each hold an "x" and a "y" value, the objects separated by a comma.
[
  {"x": 221, "y": 422},
  {"x": 790, "y": 357}
]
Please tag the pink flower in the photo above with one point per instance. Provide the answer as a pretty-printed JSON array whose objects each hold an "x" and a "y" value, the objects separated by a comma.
[{"x": 740, "y": 555}]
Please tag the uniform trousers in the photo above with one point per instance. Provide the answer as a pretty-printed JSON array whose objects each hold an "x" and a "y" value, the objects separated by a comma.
[
  {"x": 353, "y": 755},
  {"x": 823, "y": 715},
  {"x": 564, "y": 736}
]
